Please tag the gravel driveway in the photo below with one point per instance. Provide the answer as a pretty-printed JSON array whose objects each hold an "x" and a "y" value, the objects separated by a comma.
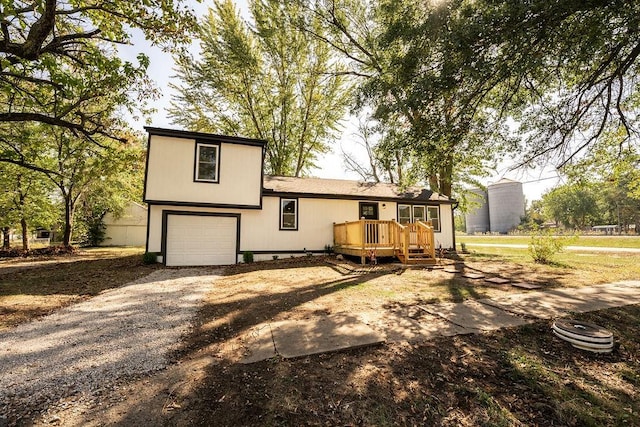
[{"x": 72, "y": 356}]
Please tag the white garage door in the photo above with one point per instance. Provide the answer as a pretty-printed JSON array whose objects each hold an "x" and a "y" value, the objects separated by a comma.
[{"x": 200, "y": 240}]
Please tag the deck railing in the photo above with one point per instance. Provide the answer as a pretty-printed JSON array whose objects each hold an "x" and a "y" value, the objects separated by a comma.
[
  {"x": 425, "y": 238},
  {"x": 371, "y": 235},
  {"x": 366, "y": 233}
]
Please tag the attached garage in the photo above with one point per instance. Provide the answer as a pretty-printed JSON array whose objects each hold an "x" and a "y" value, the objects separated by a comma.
[{"x": 198, "y": 238}]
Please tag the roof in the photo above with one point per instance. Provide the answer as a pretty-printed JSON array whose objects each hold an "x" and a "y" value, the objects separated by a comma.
[
  {"x": 346, "y": 189},
  {"x": 505, "y": 181},
  {"x": 205, "y": 137}
]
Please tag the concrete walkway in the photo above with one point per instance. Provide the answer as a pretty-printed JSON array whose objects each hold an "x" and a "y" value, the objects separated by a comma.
[{"x": 295, "y": 338}]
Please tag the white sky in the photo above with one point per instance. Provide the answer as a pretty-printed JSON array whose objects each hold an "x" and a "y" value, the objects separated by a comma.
[{"x": 331, "y": 165}]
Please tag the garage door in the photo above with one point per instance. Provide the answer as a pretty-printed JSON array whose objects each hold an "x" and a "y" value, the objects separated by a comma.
[{"x": 201, "y": 240}]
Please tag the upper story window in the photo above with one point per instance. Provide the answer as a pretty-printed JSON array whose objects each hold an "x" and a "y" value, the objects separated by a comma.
[
  {"x": 288, "y": 214},
  {"x": 207, "y": 162}
]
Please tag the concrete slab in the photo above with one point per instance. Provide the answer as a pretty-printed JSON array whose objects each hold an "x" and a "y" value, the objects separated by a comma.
[
  {"x": 259, "y": 344},
  {"x": 401, "y": 325},
  {"x": 295, "y": 338},
  {"x": 475, "y": 315},
  {"x": 497, "y": 280},
  {"x": 558, "y": 302},
  {"x": 630, "y": 283},
  {"x": 524, "y": 285},
  {"x": 473, "y": 275}
]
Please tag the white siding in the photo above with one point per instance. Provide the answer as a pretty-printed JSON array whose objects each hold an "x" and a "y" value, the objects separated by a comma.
[
  {"x": 445, "y": 236},
  {"x": 128, "y": 230},
  {"x": 171, "y": 172},
  {"x": 259, "y": 229}
]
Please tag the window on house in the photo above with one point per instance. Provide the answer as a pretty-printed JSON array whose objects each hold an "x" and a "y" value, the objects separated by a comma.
[
  {"x": 288, "y": 214},
  {"x": 413, "y": 213},
  {"x": 404, "y": 214},
  {"x": 433, "y": 215},
  {"x": 207, "y": 162},
  {"x": 419, "y": 213}
]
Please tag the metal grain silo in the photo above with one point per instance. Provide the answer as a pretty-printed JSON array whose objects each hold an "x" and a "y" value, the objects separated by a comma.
[
  {"x": 506, "y": 205},
  {"x": 477, "y": 219}
]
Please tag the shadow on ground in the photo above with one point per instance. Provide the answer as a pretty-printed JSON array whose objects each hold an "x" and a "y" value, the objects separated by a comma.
[{"x": 518, "y": 376}]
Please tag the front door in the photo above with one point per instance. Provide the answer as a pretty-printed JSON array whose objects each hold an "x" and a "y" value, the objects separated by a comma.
[
  {"x": 368, "y": 210},
  {"x": 371, "y": 231}
]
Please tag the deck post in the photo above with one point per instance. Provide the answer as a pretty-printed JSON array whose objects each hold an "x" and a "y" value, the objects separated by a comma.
[
  {"x": 406, "y": 237},
  {"x": 363, "y": 256}
]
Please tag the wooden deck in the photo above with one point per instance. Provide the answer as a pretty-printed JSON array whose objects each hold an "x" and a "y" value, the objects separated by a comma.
[{"x": 410, "y": 243}]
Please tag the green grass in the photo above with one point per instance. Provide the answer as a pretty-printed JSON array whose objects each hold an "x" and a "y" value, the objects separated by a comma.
[
  {"x": 596, "y": 241},
  {"x": 587, "y": 268}
]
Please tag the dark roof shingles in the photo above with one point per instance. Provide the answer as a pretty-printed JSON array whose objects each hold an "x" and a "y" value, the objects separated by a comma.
[{"x": 339, "y": 187}]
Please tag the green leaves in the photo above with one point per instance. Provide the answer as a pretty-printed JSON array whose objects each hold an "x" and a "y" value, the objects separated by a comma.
[
  {"x": 271, "y": 81},
  {"x": 56, "y": 77}
]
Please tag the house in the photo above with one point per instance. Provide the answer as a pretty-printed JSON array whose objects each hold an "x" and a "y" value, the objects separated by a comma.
[
  {"x": 209, "y": 202},
  {"x": 129, "y": 229}
]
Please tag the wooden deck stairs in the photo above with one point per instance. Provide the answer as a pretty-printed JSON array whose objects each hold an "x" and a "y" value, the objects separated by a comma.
[{"x": 416, "y": 256}]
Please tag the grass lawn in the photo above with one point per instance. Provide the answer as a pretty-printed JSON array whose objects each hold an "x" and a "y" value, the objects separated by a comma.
[
  {"x": 512, "y": 377},
  {"x": 595, "y": 241},
  {"x": 569, "y": 268}
]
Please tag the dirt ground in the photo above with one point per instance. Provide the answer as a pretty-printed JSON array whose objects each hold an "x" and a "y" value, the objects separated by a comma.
[
  {"x": 517, "y": 376},
  {"x": 36, "y": 286}
]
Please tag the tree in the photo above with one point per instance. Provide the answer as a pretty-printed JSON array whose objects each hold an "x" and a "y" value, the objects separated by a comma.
[
  {"x": 418, "y": 85},
  {"x": 616, "y": 173},
  {"x": 113, "y": 192},
  {"x": 74, "y": 165},
  {"x": 26, "y": 200},
  {"x": 566, "y": 70},
  {"x": 270, "y": 81},
  {"x": 574, "y": 205},
  {"x": 8, "y": 213},
  {"x": 449, "y": 72},
  {"x": 385, "y": 163},
  {"x": 51, "y": 51},
  {"x": 534, "y": 215}
]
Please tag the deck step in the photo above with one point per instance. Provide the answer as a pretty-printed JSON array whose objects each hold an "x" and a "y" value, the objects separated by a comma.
[{"x": 416, "y": 258}]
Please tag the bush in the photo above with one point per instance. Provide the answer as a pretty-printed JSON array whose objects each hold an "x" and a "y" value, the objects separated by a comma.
[
  {"x": 544, "y": 246},
  {"x": 150, "y": 257},
  {"x": 247, "y": 257},
  {"x": 96, "y": 231}
]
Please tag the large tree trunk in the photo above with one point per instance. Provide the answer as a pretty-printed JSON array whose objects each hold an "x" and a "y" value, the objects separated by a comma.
[
  {"x": 25, "y": 234},
  {"x": 68, "y": 220},
  {"x": 5, "y": 238}
]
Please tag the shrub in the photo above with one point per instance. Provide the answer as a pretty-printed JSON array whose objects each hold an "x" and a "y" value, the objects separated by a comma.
[
  {"x": 247, "y": 257},
  {"x": 96, "y": 231},
  {"x": 544, "y": 246},
  {"x": 150, "y": 257}
]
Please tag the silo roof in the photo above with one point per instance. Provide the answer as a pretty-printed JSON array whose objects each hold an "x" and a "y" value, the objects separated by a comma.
[{"x": 504, "y": 181}]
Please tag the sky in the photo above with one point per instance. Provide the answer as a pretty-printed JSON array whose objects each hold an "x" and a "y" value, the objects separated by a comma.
[{"x": 330, "y": 165}]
